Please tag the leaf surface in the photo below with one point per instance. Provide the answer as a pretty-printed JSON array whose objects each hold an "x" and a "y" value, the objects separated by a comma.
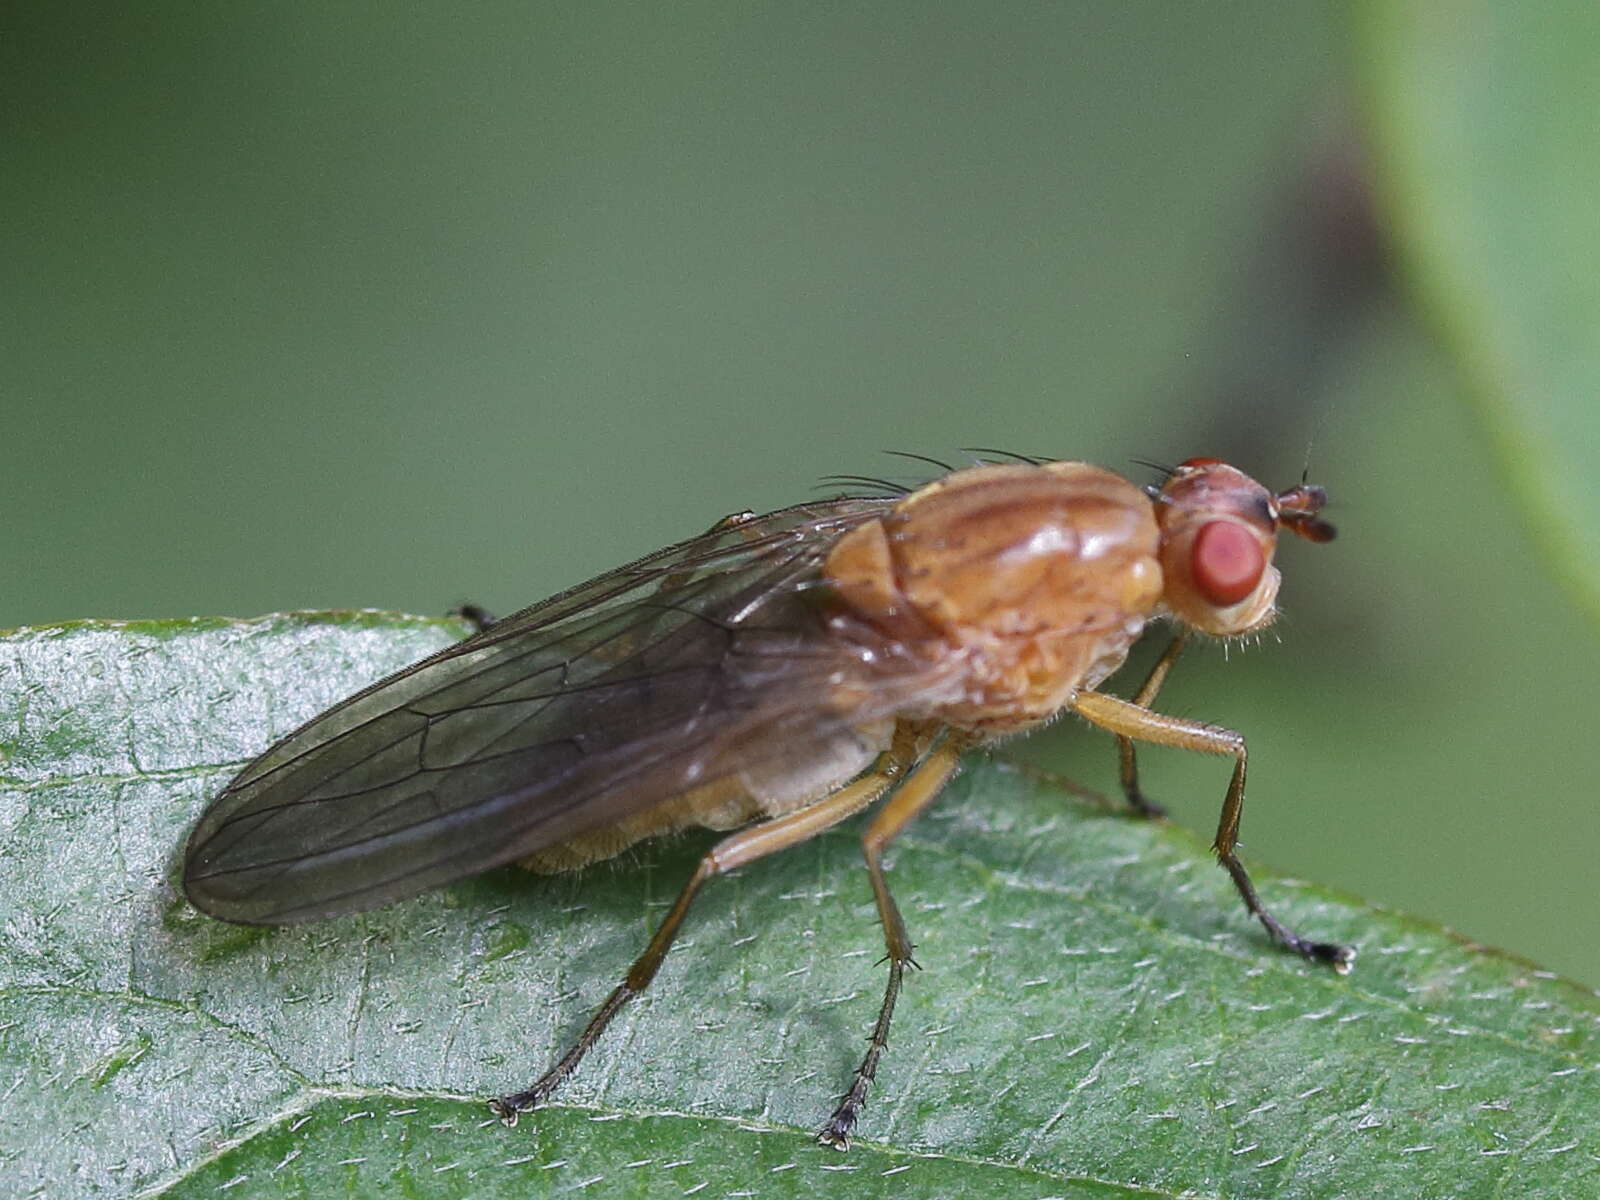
[{"x": 1097, "y": 1017}]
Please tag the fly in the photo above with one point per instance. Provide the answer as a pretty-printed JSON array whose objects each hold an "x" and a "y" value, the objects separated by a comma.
[{"x": 773, "y": 677}]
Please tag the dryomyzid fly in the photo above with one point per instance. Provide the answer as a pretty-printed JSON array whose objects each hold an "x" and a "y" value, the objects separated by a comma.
[{"x": 773, "y": 676}]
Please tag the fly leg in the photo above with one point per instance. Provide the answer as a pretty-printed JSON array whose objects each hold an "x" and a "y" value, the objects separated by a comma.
[
  {"x": 481, "y": 619},
  {"x": 1141, "y": 804},
  {"x": 912, "y": 797},
  {"x": 1131, "y": 721},
  {"x": 475, "y": 615},
  {"x": 736, "y": 850}
]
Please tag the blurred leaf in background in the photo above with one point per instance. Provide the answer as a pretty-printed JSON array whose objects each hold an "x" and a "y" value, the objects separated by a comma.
[{"x": 1484, "y": 126}]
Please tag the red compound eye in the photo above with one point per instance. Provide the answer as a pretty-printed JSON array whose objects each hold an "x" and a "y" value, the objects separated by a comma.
[{"x": 1226, "y": 563}]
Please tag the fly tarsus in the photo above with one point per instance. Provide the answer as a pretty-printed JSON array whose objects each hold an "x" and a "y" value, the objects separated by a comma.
[
  {"x": 508, "y": 1108},
  {"x": 475, "y": 615},
  {"x": 1331, "y": 954},
  {"x": 1340, "y": 958},
  {"x": 836, "y": 1132},
  {"x": 915, "y": 794},
  {"x": 1144, "y": 807}
]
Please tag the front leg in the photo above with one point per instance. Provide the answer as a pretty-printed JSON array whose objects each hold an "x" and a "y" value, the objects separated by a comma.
[{"x": 1132, "y": 721}]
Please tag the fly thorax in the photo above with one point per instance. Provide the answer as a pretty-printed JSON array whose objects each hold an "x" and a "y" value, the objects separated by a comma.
[{"x": 1031, "y": 576}]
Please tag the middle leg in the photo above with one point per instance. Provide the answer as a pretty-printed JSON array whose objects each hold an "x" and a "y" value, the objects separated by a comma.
[
  {"x": 736, "y": 850},
  {"x": 915, "y": 794}
]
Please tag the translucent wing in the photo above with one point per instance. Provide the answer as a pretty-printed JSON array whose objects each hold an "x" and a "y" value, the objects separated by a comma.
[{"x": 701, "y": 660}]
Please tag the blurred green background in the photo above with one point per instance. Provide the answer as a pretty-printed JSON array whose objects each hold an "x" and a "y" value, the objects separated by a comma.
[{"x": 364, "y": 305}]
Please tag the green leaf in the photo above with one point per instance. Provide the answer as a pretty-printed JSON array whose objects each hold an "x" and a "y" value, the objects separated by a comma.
[
  {"x": 1483, "y": 118},
  {"x": 1097, "y": 1016}
]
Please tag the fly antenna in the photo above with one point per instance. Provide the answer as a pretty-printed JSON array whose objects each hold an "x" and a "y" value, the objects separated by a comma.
[
  {"x": 1317, "y": 425},
  {"x": 1297, "y": 512}
]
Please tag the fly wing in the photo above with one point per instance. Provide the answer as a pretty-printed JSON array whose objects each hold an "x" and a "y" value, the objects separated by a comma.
[{"x": 698, "y": 661}]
